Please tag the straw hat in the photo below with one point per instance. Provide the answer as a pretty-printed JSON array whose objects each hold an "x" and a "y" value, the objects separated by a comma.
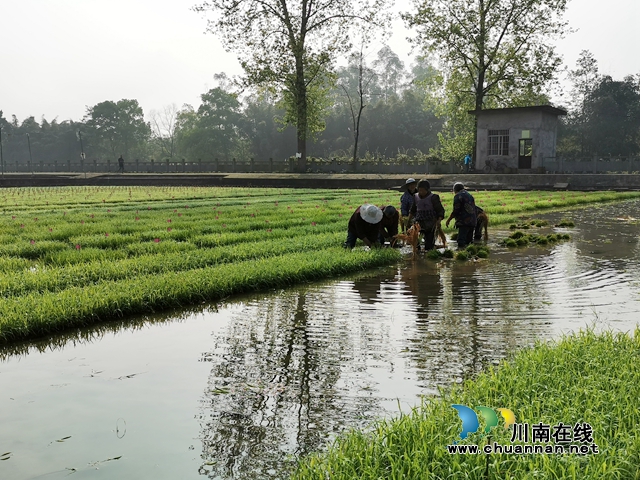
[
  {"x": 370, "y": 213},
  {"x": 409, "y": 181}
]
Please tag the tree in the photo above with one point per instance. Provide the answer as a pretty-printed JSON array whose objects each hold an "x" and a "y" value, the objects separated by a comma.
[
  {"x": 355, "y": 82},
  {"x": 163, "y": 126},
  {"x": 212, "y": 130},
  {"x": 501, "y": 49},
  {"x": 572, "y": 131},
  {"x": 290, "y": 45},
  {"x": 118, "y": 128},
  {"x": 390, "y": 71},
  {"x": 612, "y": 113}
]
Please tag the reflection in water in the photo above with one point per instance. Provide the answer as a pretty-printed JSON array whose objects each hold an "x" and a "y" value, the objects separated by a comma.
[
  {"x": 284, "y": 373},
  {"x": 95, "y": 333},
  {"x": 287, "y": 375}
]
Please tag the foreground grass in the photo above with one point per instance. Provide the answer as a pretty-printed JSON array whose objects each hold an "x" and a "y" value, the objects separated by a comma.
[
  {"x": 72, "y": 256},
  {"x": 585, "y": 378}
]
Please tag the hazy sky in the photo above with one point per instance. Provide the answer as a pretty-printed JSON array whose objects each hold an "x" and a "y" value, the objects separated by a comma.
[{"x": 60, "y": 56}]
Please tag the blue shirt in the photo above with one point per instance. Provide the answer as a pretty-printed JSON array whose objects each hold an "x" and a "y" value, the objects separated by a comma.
[{"x": 406, "y": 200}]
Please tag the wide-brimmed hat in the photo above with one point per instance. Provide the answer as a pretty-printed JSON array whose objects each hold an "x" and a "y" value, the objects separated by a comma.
[
  {"x": 409, "y": 181},
  {"x": 458, "y": 186},
  {"x": 370, "y": 213}
]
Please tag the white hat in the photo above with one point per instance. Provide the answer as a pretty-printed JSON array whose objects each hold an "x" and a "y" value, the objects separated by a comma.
[
  {"x": 370, "y": 213},
  {"x": 410, "y": 180}
]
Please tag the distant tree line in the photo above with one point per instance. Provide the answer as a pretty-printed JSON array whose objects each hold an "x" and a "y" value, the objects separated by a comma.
[{"x": 400, "y": 112}]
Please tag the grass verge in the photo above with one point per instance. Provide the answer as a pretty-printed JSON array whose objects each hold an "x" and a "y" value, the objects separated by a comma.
[{"x": 586, "y": 378}]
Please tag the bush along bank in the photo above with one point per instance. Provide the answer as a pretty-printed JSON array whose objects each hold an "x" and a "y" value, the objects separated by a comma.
[{"x": 582, "y": 391}]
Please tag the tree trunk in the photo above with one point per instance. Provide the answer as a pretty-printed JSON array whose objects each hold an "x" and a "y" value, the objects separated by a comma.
[
  {"x": 301, "y": 111},
  {"x": 479, "y": 93}
]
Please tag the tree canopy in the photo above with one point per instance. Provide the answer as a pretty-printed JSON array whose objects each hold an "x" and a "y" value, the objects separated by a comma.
[
  {"x": 291, "y": 45},
  {"x": 118, "y": 128},
  {"x": 500, "y": 51}
]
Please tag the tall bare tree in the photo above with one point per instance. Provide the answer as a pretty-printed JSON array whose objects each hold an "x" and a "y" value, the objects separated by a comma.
[{"x": 163, "y": 128}]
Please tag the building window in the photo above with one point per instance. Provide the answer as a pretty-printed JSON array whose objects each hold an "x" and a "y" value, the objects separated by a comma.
[{"x": 499, "y": 142}]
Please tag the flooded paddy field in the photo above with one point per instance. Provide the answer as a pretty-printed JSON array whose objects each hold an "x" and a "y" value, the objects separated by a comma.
[{"x": 241, "y": 389}]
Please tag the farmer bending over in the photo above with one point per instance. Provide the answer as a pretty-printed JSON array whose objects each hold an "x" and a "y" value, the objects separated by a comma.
[
  {"x": 427, "y": 210},
  {"x": 364, "y": 224},
  {"x": 388, "y": 224}
]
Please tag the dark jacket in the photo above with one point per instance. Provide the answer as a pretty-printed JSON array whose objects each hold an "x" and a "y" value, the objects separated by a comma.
[
  {"x": 464, "y": 209},
  {"x": 362, "y": 228},
  {"x": 389, "y": 225}
]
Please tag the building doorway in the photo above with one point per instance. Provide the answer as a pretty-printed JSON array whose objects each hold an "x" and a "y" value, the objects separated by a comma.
[{"x": 525, "y": 153}]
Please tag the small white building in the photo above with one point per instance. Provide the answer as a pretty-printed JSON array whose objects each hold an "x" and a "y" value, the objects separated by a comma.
[{"x": 516, "y": 139}]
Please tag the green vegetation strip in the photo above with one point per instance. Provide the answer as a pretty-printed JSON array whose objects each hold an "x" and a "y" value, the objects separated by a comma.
[
  {"x": 587, "y": 378},
  {"x": 41, "y": 313},
  {"x": 60, "y": 247}
]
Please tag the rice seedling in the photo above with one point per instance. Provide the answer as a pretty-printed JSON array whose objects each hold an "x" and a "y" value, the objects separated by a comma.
[
  {"x": 62, "y": 245},
  {"x": 521, "y": 239},
  {"x": 587, "y": 378}
]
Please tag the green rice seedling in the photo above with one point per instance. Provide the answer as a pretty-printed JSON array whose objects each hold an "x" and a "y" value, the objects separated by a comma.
[
  {"x": 516, "y": 235},
  {"x": 433, "y": 254},
  {"x": 510, "y": 242},
  {"x": 472, "y": 249},
  {"x": 462, "y": 255},
  {"x": 587, "y": 377},
  {"x": 565, "y": 223},
  {"x": 539, "y": 223},
  {"x": 56, "y": 239},
  {"x": 483, "y": 253},
  {"x": 522, "y": 241},
  {"x": 448, "y": 253}
]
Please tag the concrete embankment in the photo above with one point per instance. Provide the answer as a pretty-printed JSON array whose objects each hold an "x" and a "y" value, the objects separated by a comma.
[{"x": 351, "y": 181}]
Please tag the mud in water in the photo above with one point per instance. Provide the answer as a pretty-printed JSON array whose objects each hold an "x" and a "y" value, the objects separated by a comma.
[{"x": 240, "y": 390}]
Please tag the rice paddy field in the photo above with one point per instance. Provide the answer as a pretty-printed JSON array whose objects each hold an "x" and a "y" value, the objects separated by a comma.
[
  {"x": 590, "y": 380},
  {"x": 71, "y": 256}
]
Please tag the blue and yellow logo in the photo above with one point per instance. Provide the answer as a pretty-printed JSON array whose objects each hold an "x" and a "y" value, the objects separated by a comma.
[{"x": 471, "y": 424}]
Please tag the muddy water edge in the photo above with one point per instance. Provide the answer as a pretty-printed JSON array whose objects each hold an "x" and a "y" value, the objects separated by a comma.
[{"x": 242, "y": 389}]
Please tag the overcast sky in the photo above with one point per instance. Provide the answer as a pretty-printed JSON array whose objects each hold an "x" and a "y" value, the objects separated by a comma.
[{"x": 60, "y": 56}]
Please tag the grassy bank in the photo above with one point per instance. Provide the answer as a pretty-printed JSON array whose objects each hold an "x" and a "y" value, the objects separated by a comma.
[
  {"x": 587, "y": 378},
  {"x": 71, "y": 256}
]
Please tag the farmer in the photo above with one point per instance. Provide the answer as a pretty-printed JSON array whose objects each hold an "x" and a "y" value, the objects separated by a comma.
[
  {"x": 121, "y": 164},
  {"x": 406, "y": 200},
  {"x": 464, "y": 211},
  {"x": 364, "y": 224},
  {"x": 388, "y": 224},
  {"x": 427, "y": 210}
]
